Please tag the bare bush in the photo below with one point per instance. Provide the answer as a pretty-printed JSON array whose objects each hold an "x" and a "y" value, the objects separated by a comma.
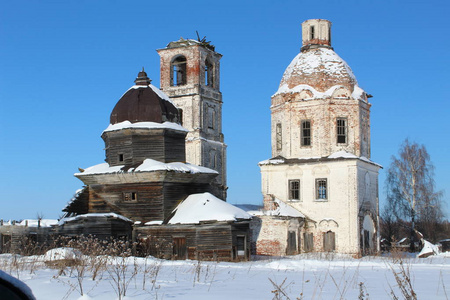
[{"x": 403, "y": 278}]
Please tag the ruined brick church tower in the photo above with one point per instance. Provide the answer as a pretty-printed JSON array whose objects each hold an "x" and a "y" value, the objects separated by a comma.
[
  {"x": 190, "y": 76},
  {"x": 320, "y": 136}
]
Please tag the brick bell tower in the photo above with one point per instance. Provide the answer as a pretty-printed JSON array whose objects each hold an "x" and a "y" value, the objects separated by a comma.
[{"x": 190, "y": 76}]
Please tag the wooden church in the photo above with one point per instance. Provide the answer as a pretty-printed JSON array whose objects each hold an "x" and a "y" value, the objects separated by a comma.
[{"x": 146, "y": 190}]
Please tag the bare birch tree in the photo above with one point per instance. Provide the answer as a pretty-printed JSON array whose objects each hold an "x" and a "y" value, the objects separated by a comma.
[{"x": 410, "y": 187}]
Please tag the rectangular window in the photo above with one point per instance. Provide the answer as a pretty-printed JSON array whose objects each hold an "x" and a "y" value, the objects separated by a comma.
[
  {"x": 240, "y": 240},
  {"x": 341, "y": 125},
  {"x": 294, "y": 189},
  {"x": 312, "y": 33},
  {"x": 292, "y": 243},
  {"x": 321, "y": 189},
  {"x": 279, "y": 137},
  {"x": 130, "y": 196},
  {"x": 120, "y": 157},
  {"x": 306, "y": 133}
]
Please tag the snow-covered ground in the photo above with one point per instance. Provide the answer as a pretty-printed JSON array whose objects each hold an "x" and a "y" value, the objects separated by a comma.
[{"x": 313, "y": 276}]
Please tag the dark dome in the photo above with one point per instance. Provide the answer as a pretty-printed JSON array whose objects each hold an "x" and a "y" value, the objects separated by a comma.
[{"x": 144, "y": 102}]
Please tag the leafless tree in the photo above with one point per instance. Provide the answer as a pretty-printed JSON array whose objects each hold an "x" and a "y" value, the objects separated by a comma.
[{"x": 410, "y": 187}]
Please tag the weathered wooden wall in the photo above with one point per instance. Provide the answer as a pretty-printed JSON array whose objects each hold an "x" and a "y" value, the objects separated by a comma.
[
  {"x": 215, "y": 241},
  {"x": 155, "y": 200},
  {"x": 136, "y": 145},
  {"x": 98, "y": 226}
]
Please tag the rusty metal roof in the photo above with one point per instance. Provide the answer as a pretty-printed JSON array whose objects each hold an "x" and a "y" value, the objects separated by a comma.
[{"x": 142, "y": 104}]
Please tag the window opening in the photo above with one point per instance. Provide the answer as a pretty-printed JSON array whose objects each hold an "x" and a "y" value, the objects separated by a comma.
[
  {"x": 341, "y": 125},
  {"x": 120, "y": 157},
  {"x": 279, "y": 137},
  {"x": 209, "y": 74},
  {"x": 130, "y": 196},
  {"x": 306, "y": 133},
  {"x": 178, "y": 71},
  {"x": 308, "y": 239},
  {"x": 294, "y": 189},
  {"x": 292, "y": 243},
  {"x": 312, "y": 34},
  {"x": 329, "y": 35},
  {"x": 321, "y": 189},
  {"x": 240, "y": 240},
  {"x": 329, "y": 241}
]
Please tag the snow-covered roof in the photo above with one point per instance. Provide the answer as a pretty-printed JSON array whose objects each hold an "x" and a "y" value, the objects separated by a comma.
[
  {"x": 321, "y": 71},
  {"x": 148, "y": 165},
  {"x": 428, "y": 249},
  {"x": 145, "y": 125},
  {"x": 283, "y": 210},
  {"x": 319, "y": 60},
  {"x": 94, "y": 215},
  {"x": 160, "y": 93},
  {"x": 34, "y": 223},
  {"x": 74, "y": 198},
  {"x": 206, "y": 207}
]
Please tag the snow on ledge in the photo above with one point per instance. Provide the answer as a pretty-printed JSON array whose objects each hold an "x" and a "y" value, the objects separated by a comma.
[
  {"x": 335, "y": 155},
  {"x": 94, "y": 215},
  {"x": 158, "y": 222},
  {"x": 342, "y": 154},
  {"x": 145, "y": 125},
  {"x": 206, "y": 207},
  {"x": 271, "y": 161},
  {"x": 358, "y": 93},
  {"x": 148, "y": 165}
]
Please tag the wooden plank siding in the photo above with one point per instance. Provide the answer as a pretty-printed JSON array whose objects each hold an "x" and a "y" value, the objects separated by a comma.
[
  {"x": 110, "y": 198},
  {"x": 215, "y": 241},
  {"x": 138, "y": 144},
  {"x": 155, "y": 200},
  {"x": 98, "y": 226}
]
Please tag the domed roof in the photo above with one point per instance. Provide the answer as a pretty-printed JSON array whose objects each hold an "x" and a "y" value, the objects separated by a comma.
[
  {"x": 144, "y": 102},
  {"x": 320, "y": 68}
]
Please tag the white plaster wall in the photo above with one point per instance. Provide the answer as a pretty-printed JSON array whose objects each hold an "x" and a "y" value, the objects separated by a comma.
[
  {"x": 340, "y": 208},
  {"x": 322, "y": 113}
]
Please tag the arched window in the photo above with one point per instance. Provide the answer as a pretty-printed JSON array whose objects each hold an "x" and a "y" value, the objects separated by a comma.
[
  {"x": 178, "y": 71},
  {"x": 209, "y": 73}
]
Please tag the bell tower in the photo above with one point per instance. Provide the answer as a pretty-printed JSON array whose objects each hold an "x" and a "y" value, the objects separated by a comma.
[{"x": 190, "y": 76}]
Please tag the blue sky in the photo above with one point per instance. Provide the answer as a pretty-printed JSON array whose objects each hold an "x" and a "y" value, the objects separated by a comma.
[{"x": 64, "y": 65}]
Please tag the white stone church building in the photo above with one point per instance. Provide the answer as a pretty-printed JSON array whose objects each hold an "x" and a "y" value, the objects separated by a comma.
[{"x": 320, "y": 165}]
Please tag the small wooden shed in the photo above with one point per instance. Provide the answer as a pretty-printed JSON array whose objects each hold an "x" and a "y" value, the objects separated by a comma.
[{"x": 202, "y": 227}]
